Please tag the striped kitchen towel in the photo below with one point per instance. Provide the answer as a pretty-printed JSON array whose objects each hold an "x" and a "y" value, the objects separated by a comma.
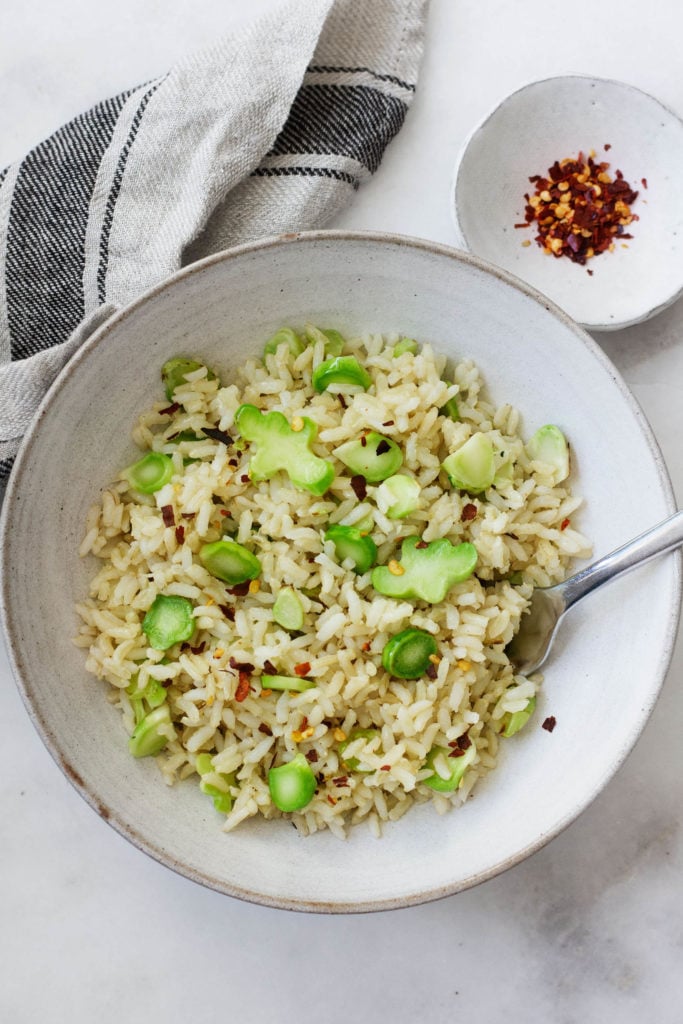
[{"x": 270, "y": 130}]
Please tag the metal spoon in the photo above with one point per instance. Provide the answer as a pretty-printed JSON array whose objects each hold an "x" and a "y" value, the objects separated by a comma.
[{"x": 529, "y": 649}]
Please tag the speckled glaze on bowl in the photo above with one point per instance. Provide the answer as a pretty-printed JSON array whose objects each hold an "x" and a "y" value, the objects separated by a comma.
[
  {"x": 222, "y": 310},
  {"x": 555, "y": 118}
]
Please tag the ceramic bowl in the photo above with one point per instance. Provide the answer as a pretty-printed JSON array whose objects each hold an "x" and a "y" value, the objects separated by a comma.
[
  {"x": 532, "y": 355},
  {"x": 557, "y": 118}
]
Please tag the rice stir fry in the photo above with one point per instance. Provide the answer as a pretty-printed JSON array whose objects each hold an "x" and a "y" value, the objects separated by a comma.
[{"x": 307, "y": 582}]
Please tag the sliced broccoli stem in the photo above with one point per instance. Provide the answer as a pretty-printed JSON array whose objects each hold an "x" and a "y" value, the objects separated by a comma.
[
  {"x": 174, "y": 372},
  {"x": 408, "y": 654},
  {"x": 458, "y": 766},
  {"x": 372, "y": 455},
  {"x": 280, "y": 446},
  {"x": 425, "y": 572},
  {"x": 292, "y": 785},
  {"x": 152, "y": 472},
  {"x": 169, "y": 621},
  {"x": 229, "y": 561},
  {"x": 349, "y": 542},
  {"x": 339, "y": 374},
  {"x": 472, "y": 466}
]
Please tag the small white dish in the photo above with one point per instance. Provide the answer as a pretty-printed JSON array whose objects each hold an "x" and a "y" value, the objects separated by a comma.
[{"x": 556, "y": 118}]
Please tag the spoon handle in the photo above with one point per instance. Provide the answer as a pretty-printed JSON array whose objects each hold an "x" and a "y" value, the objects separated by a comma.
[{"x": 661, "y": 538}]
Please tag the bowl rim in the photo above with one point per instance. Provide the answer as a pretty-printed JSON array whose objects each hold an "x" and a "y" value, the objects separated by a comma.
[
  {"x": 597, "y": 325},
  {"x": 23, "y": 464}
]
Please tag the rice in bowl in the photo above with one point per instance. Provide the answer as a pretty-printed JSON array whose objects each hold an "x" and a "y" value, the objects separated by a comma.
[{"x": 374, "y": 743}]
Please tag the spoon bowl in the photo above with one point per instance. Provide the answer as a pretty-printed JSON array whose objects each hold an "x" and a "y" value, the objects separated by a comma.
[{"x": 531, "y": 646}]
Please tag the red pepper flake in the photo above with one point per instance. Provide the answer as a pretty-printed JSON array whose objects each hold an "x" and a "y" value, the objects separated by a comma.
[
  {"x": 269, "y": 668},
  {"x": 579, "y": 208},
  {"x": 360, "y": 486},
  {"x": 421, "y": 545},
  {"x": 304, "y": 724},
  {"x": 169, "y": 410},
  {"x": 241, "y": 666},
  {"x": 363, "y": 440},
  {"x": 188, "y": 515},
  {"x": 223, "y": 512},
  {"x": 383, "y": 447},
  {"x": 242, "y": 691},
  {"x": 228, "y": 611},
  {"x": 643, "y": 182},
  {"x": 217, "y": 435},
  {"x": 265, "y": 729},
  {"x": 550, "y": 723},
  {"x": 431, "y": 671},
  {"x": 180, "y": 534},
  {"x": 240, "y": 590},
  {"x": 312, "y": 756},
  {"x": 464, "y": 741},
  {"x": 457, "y": 752},
  {"x": 385, "y": 768},
  {"x": 245, "y": 478},
  {"x": 564, "y": 524},
  {"x": 365, "y": 646},
  {"x": 590, "y": 272},
  {"x": 167, "y": 515},
  {"x": 342, "y": 401},
  {"x": 468, "y": 513},
  {"x": 303, "y": 668},
  {"x": 607, "y": 146},
  {"x": 199, "y": 649},
  {"x": 331, "y": 800},
  {"x": 388, "y": 423},
  {"x": 343, "y": 780}
]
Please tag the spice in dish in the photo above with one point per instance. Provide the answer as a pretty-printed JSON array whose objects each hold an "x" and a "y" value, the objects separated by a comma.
[{"x": 580, "y": 210}]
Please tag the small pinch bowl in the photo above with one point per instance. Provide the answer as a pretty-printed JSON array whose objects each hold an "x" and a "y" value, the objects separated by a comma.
[
  {"x": 532, "y": 356},
  {"x": 556, "y": 118}
]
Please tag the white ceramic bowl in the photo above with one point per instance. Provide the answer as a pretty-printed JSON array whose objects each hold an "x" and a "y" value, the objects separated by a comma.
[
  {"x": 553, "y": 119},
  {"x": 613, "y": 653}
]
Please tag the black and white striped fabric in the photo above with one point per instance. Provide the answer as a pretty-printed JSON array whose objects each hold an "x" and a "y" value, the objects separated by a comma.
[{"x": 268, "y": 131}]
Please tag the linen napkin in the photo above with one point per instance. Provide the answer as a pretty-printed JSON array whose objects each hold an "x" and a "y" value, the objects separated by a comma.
[{"x": 270, "y": 130}]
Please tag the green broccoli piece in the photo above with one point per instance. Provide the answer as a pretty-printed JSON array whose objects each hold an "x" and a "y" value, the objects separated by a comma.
[{"x": 425, "y": 572}]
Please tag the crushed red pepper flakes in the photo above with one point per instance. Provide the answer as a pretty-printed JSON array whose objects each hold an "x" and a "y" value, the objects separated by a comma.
[
  {"x": 365, "y": 646},
  {"x": 431, "y": 671},
  {"x": 241, "y": 666},
  {"x": 469, "y": 512},
  {"x": 331, "y": 800},
  {"x": 580, "y": 210},
  {"x": 342, "y": 780},
  {"x": 265, "y": 729},
  {"x": 245, "y": 478},
  {"x": 217, "y": 435},
  {"x": 383, "y": 447},
  {"x": 168, "y": 515},
  {"x": 388, "y": 423},
  {"x": 180, "y": 534},
  {"x": 228, "y": 611},
  {"x": 169, "y": 410},
  {"x": 303, "y": 668},
  {"x": 188, "y": 515},
  {"x": 457, "y": 752},
  {"x": 564, "y": 524},
  {"x": 312, "y": 756},
  {"x": 385, "y": 768},
  {"x": 240, "y": 589},
  {"x": 363, "y": 441},
  {"x": 269, "y": 668},
  {"x": 550, "y": 723},
  {"x": 359, "y": 486},
  {"x": 643, "y": 182},
  {"x": 421, "y": 545},
  {"x": 242, "y": 691}
]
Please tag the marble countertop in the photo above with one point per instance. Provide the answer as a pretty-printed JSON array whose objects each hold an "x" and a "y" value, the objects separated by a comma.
[{"x": 590, "y": 928}]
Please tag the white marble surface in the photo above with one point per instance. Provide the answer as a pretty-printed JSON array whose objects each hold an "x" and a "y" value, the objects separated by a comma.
[{"x": 589, "y": 929}]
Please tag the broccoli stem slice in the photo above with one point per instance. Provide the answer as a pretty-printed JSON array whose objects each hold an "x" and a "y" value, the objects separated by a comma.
[{"x": 281, "y": 446}]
